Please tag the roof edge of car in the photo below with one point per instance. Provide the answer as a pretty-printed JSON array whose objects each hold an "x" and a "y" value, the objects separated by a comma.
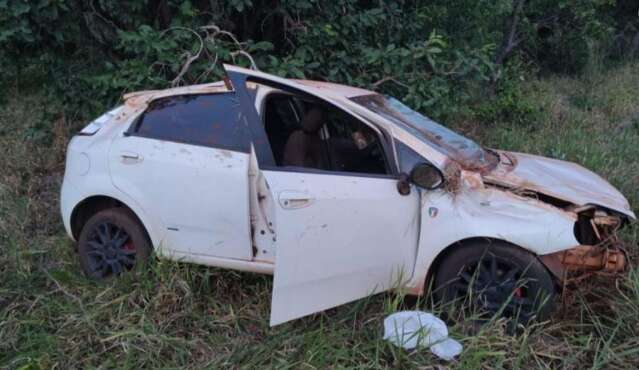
[
  {"x": 331, "y": 88},
  {"x": 211, "y": 87},
  {"x": 219, "y": 86}
]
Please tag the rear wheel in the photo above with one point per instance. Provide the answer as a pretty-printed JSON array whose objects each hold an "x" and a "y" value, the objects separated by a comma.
[
  {"x": 112, "y": 242},
  {"x": 496, "y": 277}
]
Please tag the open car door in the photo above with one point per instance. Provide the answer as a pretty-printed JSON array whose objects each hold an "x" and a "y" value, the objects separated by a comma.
[{"x": 340, "y": 236}]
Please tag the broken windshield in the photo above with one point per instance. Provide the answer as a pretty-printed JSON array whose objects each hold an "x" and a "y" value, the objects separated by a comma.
[{"x": 459, "y": 148}]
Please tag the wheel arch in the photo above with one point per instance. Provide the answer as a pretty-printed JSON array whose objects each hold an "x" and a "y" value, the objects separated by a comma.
[
  {"x": 446, "y": 251},
  {"x": 93, "y": 204},
  {"x": 487, "y": 214}
]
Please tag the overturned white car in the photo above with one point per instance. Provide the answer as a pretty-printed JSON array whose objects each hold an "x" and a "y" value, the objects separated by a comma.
[{"x": 338, "y": 191}]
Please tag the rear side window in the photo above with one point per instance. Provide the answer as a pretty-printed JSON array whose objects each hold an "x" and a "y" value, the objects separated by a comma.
[{"x": 210, "y": 120}]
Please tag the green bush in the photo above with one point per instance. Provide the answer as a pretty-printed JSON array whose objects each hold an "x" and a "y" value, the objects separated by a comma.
[
  {"x": 435, "y": 55},
  {"x": 511, "y": 104}
]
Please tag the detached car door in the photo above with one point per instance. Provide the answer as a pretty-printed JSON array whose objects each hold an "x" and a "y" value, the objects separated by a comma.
[
  {"x": 340, "y": 236},
  {"x": 186, "y": 159}
]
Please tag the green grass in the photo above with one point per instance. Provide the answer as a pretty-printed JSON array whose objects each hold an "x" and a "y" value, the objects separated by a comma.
[{"x": 180, "y": 315}]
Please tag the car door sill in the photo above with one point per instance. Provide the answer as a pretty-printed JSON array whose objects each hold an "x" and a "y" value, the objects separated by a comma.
[{"x": 260, "y": 267}]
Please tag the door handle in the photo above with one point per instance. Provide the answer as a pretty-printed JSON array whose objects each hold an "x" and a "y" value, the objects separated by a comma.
[
  {"x": 130, "y": 157},
  {"x": 294, "y": 200}
]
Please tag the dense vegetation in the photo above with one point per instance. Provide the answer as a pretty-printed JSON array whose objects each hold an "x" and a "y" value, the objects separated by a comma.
[
  {"x": 433, "y": 54},
  {"x": 551, "y": 77}
]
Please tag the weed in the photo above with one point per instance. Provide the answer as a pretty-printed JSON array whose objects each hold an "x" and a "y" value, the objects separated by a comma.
[{"x": 180, "y": 315}]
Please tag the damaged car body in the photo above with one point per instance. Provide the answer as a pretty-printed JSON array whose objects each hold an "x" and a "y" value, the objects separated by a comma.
[{"x": 338, "y": 191}]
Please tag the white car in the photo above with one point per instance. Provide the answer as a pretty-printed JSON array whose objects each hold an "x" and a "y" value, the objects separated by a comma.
[{"x": 338, "y": 191}]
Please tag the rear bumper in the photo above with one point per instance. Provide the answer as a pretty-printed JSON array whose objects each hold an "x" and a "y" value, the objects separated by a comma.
[{"x": 69, "y": 197}]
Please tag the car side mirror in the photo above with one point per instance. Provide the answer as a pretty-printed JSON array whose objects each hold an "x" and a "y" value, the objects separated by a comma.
[{"x": 426, "y": 176}]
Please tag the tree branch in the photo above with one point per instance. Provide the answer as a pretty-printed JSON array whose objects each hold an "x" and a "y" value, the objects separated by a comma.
[
  {"x": 509, "y": 41},
  {"x": 206, "y": 34},
  {"x": 376, "y": 84},
  {"x": 190, "y": 58}
]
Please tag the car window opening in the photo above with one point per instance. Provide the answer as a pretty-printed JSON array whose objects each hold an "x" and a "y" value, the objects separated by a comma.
[{"x": 307, "y": 133}]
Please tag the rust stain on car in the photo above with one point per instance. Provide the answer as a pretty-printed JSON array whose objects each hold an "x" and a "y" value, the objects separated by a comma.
[
  {"x": 558, "y": 179},
  {"x": 606, "y": 255},
  {"x": 452, "y": 174}
]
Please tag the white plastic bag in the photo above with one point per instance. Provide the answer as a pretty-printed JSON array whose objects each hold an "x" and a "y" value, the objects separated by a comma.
[{"x": 409, "y": 329}]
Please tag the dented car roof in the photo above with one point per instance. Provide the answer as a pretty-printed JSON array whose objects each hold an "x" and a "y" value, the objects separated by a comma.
[{"x": 321, "y": 87}]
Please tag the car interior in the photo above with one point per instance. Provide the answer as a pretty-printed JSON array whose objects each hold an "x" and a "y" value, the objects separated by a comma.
[{"x": 307, "y": 133}]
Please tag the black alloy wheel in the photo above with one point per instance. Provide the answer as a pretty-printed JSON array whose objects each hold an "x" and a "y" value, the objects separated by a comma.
[
  {"x": 496, "y": 278},
  {"x": 112, "y": 242},
  {"x": 110, "y": 250}
]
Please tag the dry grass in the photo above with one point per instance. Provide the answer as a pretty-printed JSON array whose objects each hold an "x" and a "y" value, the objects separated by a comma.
[{"x": 178, "y": 315}]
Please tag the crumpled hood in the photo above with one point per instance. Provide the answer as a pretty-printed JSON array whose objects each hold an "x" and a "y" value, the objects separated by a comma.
[{"x": 559, "y": 179}]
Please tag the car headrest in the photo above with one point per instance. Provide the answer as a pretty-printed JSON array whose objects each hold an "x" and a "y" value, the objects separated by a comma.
[{"x": 313, "y": 120}]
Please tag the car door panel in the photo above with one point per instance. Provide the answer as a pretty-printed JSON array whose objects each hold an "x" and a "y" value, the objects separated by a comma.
[
  {"x": 339, "y": 238},
  {"x": 199, "y": 191}
]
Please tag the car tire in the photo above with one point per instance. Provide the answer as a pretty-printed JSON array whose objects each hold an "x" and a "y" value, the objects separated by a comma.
[
  {"x": 494, "y": 277},
  {"x": 112, "y": 242}
]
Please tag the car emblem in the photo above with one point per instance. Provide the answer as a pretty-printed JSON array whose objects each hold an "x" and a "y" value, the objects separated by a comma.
[{"x": 432, "y": 212}]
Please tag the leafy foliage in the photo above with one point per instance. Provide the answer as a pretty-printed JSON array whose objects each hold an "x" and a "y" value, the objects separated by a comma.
[{"x": 431, "y": 54}]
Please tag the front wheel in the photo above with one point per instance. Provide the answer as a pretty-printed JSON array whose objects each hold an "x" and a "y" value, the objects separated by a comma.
[
  {"x": 496, "y": 278},
  {"x": 112, "y": 242}
]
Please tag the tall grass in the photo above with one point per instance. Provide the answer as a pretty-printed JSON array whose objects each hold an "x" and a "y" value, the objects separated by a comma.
[{"x": 179, "y": 315}]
